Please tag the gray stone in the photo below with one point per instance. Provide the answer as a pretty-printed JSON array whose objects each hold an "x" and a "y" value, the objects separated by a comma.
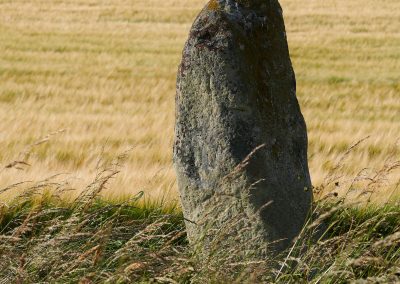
[{"x": 240, "y": 148}]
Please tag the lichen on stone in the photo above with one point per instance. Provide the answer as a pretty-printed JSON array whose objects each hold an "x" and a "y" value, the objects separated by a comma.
[{"x": 213, "y": 5}]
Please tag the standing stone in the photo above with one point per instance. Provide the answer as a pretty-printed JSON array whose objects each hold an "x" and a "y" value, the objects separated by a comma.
[{"x": 240, "y": 148}]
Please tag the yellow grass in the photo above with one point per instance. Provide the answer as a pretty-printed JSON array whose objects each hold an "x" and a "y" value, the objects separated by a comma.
[{"x": 105, "y": 72}]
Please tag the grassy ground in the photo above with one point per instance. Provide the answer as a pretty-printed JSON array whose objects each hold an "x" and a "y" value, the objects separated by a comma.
[
  {"x": 43, "y": 240},
  {"x": 104, "y": 71}
]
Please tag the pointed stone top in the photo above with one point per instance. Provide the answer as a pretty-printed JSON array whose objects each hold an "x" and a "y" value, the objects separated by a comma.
[{"x": 236, "y": 4}]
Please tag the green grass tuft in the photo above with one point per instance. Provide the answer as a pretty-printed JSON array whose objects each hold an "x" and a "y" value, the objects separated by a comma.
[{"x": 45, "y": 240}]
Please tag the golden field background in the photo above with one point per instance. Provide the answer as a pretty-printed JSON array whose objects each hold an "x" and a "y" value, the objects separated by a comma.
[{"x": 104, "y": 72}]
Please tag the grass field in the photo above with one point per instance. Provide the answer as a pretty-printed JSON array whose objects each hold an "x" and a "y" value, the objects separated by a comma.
[
  {"x": 43, "y": 240},
  {"x": 104, "y": 72}
]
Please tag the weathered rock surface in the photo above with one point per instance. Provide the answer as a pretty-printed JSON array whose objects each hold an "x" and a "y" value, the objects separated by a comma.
[{"x": 236, "y": 100}]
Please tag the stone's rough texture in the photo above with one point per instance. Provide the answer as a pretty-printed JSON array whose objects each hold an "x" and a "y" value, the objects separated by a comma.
[{"x": 236, "y": 90}]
